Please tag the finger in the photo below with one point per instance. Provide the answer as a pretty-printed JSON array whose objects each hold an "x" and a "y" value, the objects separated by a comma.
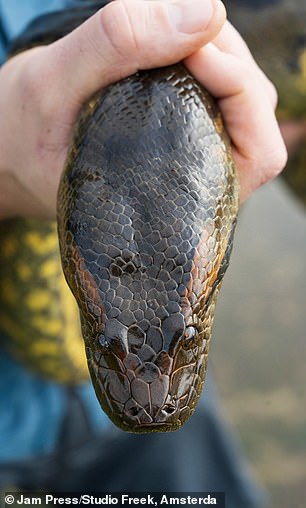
[
  {"x": 258, "y": 146},
  {"x": 128, "y": 35},
  {"x": 230, "y": 41}
]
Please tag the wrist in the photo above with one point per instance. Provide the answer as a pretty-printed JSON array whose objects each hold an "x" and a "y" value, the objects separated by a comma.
[{"x": 26, "y": 182}]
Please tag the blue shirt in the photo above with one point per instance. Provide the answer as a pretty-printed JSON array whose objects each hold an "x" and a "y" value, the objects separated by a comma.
[{"x": 31, "y": 408}]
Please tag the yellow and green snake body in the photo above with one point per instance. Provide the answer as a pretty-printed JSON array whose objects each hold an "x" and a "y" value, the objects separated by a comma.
[{"x": 37, "y": 310}]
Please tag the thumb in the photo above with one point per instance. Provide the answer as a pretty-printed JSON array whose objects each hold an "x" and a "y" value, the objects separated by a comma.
[{"x": 129, "y": 35}]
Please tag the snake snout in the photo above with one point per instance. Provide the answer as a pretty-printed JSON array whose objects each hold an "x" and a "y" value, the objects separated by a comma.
[{"x": 146, "y": 378}]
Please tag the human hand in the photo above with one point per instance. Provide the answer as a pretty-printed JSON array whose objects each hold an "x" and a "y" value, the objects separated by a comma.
[
  {"x": 42, "y": 91},
  {"x": 247, "y": 100}
]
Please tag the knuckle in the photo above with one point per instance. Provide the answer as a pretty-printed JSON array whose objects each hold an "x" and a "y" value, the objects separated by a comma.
[
  {"x": 274, "y": 163},
  {"x": 269, "y": 88},
  {"x": 272, "y": 93},
  {"x": 280, "y": 160}
]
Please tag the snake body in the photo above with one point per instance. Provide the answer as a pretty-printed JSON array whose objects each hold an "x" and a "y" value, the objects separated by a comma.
[
  {"x": 37, "y": 310},
  {"x": 147, "y": 208}
]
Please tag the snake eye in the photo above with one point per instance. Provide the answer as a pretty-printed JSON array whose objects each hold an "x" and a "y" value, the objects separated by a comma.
[
  {"x": 103, "y": 344},
  {"x": 190, "y": 336}
]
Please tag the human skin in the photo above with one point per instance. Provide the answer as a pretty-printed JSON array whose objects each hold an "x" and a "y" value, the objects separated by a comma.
[{"x": 43, "y": 89}]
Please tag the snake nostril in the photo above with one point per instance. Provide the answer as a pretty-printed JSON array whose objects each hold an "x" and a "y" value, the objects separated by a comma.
[
  {"x": 132, "y": 411},
  {"x": 169, "y": 408}
]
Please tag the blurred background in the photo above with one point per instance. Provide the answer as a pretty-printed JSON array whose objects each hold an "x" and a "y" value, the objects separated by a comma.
[{"x": 259, "y": 346}]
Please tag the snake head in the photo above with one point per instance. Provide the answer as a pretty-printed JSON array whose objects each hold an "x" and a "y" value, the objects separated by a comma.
[
  {"x": 146, "y": 377},
  {"x": 148, "y": 357},
  {"x": 146, "y": 209}
]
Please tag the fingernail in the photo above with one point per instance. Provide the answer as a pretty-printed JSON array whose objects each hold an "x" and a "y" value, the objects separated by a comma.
[{"x": 191, "y": 16}]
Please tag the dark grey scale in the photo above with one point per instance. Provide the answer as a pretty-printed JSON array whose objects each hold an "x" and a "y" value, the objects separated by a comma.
[{"x": 147, "y": 203}]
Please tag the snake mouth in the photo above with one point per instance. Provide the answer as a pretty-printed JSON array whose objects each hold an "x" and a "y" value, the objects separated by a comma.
[
  {"x": 137, "y": 420},
  {"x": 148, "y": 395}
]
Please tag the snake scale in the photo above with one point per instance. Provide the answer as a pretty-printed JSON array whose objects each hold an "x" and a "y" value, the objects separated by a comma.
[{"x": 147, "y": 208}]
